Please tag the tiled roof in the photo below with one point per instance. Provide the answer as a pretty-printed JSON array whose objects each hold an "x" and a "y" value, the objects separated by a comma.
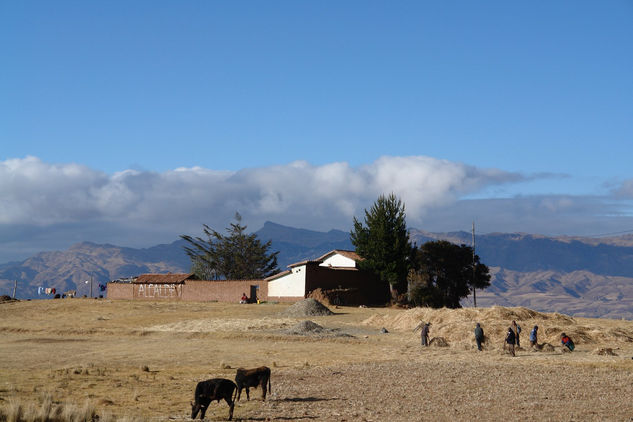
[{"x": 162, "y": 278}]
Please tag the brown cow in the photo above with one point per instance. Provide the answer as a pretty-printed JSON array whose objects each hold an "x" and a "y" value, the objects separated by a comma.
[
  {"x": 213, "y": 389},
  {"x": 245, "y": 378}
]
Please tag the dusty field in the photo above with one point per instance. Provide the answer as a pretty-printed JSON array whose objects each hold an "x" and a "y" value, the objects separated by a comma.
[{"x": 142, "y": 360}]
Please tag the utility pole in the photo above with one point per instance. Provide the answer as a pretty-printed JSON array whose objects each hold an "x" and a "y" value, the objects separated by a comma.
[
  {"x": 15, "y": 286},
  {"x": 474, "y": 272},
  {"x": 91, "y": 286}
]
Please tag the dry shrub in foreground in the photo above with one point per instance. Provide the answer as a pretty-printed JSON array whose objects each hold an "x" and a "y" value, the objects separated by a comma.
[{"x": 48, "y": 411}]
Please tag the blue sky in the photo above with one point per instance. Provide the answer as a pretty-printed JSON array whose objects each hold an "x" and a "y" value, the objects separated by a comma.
[{"x": 134, "y": 122}]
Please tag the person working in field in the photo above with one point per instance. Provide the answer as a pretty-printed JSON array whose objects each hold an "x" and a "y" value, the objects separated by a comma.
[
  {"x": 567, "y": 342},
  {"x": 534, "y": 336},
  {"x": 425, "y": 332},
  {"x": 509, "y": 340},
  {"x": 517, "y": 330},
  {"x": 479, "y": 336}
]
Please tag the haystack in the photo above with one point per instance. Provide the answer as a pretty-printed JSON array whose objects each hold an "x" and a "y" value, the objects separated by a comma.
[
  {"x": 457, "y": 325},
  {"x": 438, "y": 342},
  {"x": 307, "y": 307}
]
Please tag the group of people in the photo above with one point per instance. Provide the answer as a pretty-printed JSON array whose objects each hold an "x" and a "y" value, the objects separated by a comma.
[{"x": 511, "y": 340}]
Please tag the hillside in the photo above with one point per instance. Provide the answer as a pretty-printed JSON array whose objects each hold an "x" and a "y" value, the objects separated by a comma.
[{"x": 577, "y": 276}]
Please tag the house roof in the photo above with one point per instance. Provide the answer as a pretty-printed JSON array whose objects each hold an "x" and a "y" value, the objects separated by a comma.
[
  {"x": 276, "y": 276},
  {"x": 163, "y": 278},
  {"x": 347, "y": 254}
]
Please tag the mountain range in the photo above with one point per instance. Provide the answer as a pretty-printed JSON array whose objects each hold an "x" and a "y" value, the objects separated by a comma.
[{"x": 572, "y": 275}]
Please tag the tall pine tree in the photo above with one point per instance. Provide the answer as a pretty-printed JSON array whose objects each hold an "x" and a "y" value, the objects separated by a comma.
[{"x": 383, "y": 242}]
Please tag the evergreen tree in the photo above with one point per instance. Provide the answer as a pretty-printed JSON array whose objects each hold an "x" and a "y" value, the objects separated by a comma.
[
  {"x": 383, "y": 242},
  {"x": 443, "y": 274},
  {"x": 236, "y": 256}
]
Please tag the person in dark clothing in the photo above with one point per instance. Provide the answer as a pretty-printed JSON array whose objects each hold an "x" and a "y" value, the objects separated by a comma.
[
  {"x": 425, "y": 334},
  {"x": 534, "y": 336},
  {"x": 517, "y": 331},
  {"x": 479, "y": 336},
  {"x": 510, "y": 339}
]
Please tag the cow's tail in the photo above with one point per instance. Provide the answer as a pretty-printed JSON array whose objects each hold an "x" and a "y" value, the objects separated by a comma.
[
  {"x": 234, "y": 393},
  {"x": 269, "y": 390}
]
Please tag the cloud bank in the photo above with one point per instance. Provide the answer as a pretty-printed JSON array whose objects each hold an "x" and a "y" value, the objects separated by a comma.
[{"x": 44, "y": 206}]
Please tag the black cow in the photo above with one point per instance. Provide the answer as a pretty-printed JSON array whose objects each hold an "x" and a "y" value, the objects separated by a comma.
[
  {"x": 245, "y": 378},
  {"x": 213, "y": 389}
]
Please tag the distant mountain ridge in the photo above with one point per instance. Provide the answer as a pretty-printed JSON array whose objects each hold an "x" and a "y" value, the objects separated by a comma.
[
  {"x": 526, "y": 252},
  {"x": 578, "y": 276}
]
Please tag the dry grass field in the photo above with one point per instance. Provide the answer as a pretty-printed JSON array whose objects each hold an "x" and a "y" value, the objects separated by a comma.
[{"x": 140, "y": 361}]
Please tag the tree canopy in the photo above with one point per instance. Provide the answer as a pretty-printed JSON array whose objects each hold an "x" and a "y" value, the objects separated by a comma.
[
  {"x": 443, "y": 274},
  {"x": 235, "y": 256},
  {"x": 383, "y": 242}
]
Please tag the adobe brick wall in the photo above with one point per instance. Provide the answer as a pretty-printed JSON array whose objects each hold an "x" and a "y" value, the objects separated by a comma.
[
  {"x": 119, "y": 291},
  {"x": 222, "y": 290}
]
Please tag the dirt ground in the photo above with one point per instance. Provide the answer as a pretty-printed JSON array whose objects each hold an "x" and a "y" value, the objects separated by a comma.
[{"x": 141, "y": 360}]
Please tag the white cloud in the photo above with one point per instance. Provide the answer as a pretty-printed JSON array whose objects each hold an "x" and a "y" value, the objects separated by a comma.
[{"x": 141, "y": 208}]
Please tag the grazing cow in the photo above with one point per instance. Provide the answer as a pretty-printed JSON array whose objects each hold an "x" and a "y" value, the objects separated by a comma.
[
  {"x": 213, "y": 389},
  {"x": 245, "y": 378}
]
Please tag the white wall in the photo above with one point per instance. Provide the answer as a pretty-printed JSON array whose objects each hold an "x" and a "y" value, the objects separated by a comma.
[
  {"x": 289, "y": 285},
  {"x": 337, "y": 260}
]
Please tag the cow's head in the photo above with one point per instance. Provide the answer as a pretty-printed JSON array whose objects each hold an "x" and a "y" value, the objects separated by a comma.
[{"x": 195, "y": 408}]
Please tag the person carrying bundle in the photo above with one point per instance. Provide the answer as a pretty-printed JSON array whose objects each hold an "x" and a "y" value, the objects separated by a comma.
[{"x": 425, "y": 332}]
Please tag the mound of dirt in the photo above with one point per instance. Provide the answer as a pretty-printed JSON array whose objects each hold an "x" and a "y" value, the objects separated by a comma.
[
  {"x": 309, "y": 328},
  {"x": 307, "y": 307},
  {"x": 606, "y": 351},
  {"x": 320, "y": 296},
  {"x": 305, "y": 327}
]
